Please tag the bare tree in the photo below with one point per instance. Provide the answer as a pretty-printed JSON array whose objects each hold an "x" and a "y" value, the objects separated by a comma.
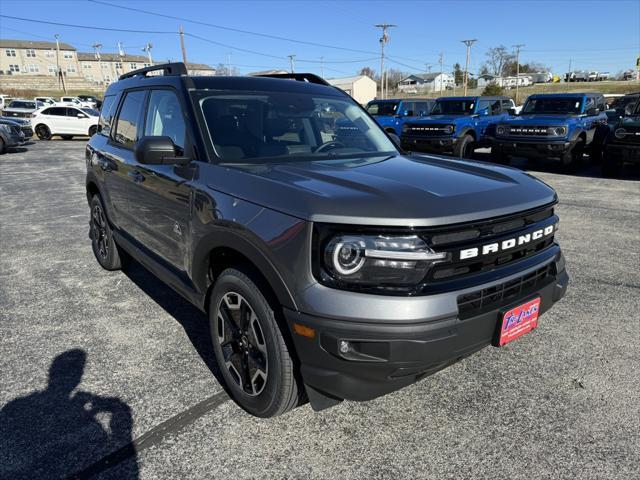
[
  {"x": 498, "y": 57},
  {"x": 369, "y": 72},
  {"x": 224, "y": 70}
]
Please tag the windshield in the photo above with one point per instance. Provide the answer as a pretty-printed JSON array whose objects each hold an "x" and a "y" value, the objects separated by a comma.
[
  {"x": 276, "y": 127},
  {"x": 21, "y": 104},
  {"x": 553, "y": 105},
  {"x": 91, "y": 112},
  {"x": 383, "y": 108},
  {"x": 454, "y": 107}
]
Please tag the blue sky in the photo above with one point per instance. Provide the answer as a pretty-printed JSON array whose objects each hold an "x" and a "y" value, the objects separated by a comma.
[{"x": 594, "y": 35}]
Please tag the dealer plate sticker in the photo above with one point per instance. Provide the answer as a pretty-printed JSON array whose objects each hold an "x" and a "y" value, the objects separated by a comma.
[{"x": 518, "y": 321}]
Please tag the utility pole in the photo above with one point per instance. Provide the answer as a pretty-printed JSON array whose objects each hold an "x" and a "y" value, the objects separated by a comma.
[
  {"x": 568, "y": 77},
  {"x": 229, "y": 63},
  {"x": 184, "y": 50},
  {"x": 121, "y": 55},
  {"x": 60, "y": 75},
  {"x": 147, "y": 48},
  {"x": 384, "y": 39},
  {"x": 97, "y": 47},
  {"x": 517, "y": 47},
  {"x": 468, "y": 43},
  {"x": 322, "y": 67},
  {"x": 441, "y": 71},
  {"x": 291, "y": 58}
]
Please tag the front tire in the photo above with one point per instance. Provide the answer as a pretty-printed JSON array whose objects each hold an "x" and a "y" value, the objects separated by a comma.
[
  {"x": 103, "y": 244},
  {"x": 571, "y": 160},
  {"x": 463, "y": 148},
  {"x": 43, "y": 132},
  {"x": 250, "y": 349}
]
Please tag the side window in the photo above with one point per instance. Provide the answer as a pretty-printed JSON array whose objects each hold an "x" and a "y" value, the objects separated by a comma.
[
  {"x": 409, "y": 107},
  {"x": 56, "y": 111},
  {"x": 128, "y": 121},
  {"x": 73, "y": 112},
  {"x": 165, "y": 118},
  {"x": 590, "y": 103},
  {"x": 600, "y": 105},
  {"x": 495, "y": 108},
  {"x": 506, "y": 105},
  {"x": 106, "y": 115},
  {"x": 484, "y": 104},
  {"x": 422, "y": 108}
]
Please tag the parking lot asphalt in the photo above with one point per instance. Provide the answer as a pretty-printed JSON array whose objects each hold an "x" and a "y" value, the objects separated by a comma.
[{"x": 111, "y": 374}]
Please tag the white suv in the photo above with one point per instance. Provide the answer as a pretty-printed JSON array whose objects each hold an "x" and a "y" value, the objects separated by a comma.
[
  {"x": 73, "y": 102},
  {"x": 64, "y": 121}
]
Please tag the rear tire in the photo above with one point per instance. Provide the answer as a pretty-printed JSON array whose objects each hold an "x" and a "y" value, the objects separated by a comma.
[
  {"x": 43, "y": 132},
  {"x": 3, "y": 146},
  {"x": 250, "y": 349},
  {"x": 463, "y": 148},
  {"x": 103, "y": 244}
]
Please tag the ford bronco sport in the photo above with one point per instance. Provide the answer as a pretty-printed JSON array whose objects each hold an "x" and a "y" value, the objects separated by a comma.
[
  {"x": 392, "y": 114},
  {"x": 456, "y": 125},
  {"x": 331, "y": 265},
  {"x": 563, "y": 126}
]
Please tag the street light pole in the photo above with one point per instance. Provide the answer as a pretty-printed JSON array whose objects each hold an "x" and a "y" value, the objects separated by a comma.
[
  {"x": 468, "y": 43},
  {"x": 517, "y": 47},
  {"x": 147, "y": 48},
  {"x": 384, "y": 39},
  {"x": 60, "y": 75},
  {"x": 97, "y": 47},
  {"x": 291, "y": 63},
  {"x": 441, "y": 71}
]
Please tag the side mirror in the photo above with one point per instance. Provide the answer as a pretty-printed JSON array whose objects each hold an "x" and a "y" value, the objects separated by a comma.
[
  {"x": 395, "y": 139},
  {"x": 512, "y": 112},
  {"x": 157, "y": 151}
]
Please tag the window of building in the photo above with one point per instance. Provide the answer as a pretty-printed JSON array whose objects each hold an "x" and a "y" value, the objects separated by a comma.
[
  {"x": 49, "y": 53},
  {"x": 31, "y": 52},
  {"x": 129, "y": 118},
  {"x": 104, "y": 66},
  {"x": 145, "y": 65},
  {"x": 68, "y": 55},
  {"x": 86, "y": 65},
  {"x": 10, "y": 52},
  {"x": 71, "y": 69},
  {"x": 119, "y": 65},
  {"x": 133, "y": 66},
  {"x": 14, "y": 68},
  {"x": 33, "y": 68},
  {"x": 165, "y": 118},
  {"x": 52, "y": 68}
]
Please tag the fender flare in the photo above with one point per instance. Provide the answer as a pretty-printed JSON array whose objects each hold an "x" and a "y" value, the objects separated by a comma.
[
  {"x": 238, "y": 241},
  {"x": 468, "y": 130}
]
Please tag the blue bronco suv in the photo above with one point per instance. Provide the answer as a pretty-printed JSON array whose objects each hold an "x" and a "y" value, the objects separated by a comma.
[
  {"x": 562, "y": 126},
  {"x": 457, "y": 125},
  {"x": 391, "y": 115}
]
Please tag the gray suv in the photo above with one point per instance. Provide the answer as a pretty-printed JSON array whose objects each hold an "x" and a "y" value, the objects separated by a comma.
[{"x": 331, "y": 264}]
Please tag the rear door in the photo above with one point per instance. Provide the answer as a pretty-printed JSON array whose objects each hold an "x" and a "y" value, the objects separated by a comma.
[
  {"x": 160, "y": 206},
  {"x": 117, "y": 159},
  {"x": 77, "y": 119}
]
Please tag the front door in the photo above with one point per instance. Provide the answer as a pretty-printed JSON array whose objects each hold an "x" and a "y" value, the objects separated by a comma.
[{"x": 161, "y": 205}]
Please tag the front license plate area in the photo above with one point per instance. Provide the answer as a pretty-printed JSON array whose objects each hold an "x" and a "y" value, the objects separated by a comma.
[{"x": 518, "y": 321}]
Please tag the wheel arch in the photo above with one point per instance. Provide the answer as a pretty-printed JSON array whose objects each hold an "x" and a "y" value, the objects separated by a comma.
[
  {"x": 469, "y": 131},
  {"x": 224, "y": 249}
]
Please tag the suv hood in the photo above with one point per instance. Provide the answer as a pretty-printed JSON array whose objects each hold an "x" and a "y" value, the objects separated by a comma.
[
  {"x": 544, "y": 120},
  {"x": 392, "y": 191}
]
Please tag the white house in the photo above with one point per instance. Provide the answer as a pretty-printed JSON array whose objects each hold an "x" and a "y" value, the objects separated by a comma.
[
  {"x": 362, "y": 88},
  {"x": 429, "y": 82}
]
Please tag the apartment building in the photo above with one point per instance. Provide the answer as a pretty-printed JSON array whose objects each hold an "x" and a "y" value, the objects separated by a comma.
[{"x": 27, "y": 57}]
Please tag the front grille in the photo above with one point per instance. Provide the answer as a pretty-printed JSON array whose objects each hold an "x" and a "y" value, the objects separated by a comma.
[
  {"x": 15, "y": 129},
  {"x": 27, "y": 130},
  {"x": 632, "y": 135},
  {"x": 481, "y": 234},
  {"x": 430, "y": 130},
  {"x": 487, "y": 299},
  {"x": 528, "y": 131}
]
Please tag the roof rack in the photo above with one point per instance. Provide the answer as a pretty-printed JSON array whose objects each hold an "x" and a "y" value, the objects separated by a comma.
[
  {"x": 169, "y": 69},
  {"x": 300, "y": 77}
]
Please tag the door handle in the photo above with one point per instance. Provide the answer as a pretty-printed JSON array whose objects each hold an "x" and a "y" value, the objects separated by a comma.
[{"x": 136, "y": 176}]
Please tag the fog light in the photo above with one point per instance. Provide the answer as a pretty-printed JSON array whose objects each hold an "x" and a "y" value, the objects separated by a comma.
[{"x": 344, "y": 346}]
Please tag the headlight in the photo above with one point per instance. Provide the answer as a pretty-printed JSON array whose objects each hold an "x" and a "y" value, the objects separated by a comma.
[
  {"x": 500, "y": 130},
  {"x": 558, "y": 131},
  {"x": 620, "y": 132},
  {"x": 378, "y": 260},
  {"x": 449, "y": 129}
]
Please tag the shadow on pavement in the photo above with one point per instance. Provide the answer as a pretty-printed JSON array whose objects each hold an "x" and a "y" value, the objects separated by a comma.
[{"x": 58, "y": 431}]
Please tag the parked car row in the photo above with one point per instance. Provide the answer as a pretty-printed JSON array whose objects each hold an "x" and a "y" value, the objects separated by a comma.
[{"x": 563, "y": 127}]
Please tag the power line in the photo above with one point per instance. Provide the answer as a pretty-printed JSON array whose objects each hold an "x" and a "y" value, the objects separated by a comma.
[
  {"x": 92, "y": 27},
  {"x": 232, "y": 29}
]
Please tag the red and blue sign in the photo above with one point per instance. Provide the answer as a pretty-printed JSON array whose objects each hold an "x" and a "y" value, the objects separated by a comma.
[{"x": 518, "y": 321}]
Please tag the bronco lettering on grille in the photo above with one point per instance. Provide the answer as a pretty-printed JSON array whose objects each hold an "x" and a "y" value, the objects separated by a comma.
[{"x": 496, "y": 247}]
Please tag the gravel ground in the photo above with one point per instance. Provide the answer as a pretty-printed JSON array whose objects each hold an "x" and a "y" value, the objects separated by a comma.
[{"x": 111, "y": 374}]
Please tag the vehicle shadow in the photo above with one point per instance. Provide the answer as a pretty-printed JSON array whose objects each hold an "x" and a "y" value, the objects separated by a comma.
[
  {"x": 629, "y": 172},
  {"x": 56, "y": 432},
  {"x": 194, "y": 322}
]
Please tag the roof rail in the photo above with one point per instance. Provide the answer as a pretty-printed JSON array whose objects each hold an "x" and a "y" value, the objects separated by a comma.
[
  {"x": 300, "y": 77},
  {"x": 169, "y": 69}
]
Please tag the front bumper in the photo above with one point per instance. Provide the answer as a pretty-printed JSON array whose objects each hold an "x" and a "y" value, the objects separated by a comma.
[
  {"x": 626, "y": 152},
  {"x": 532, "y": 148},
  {"x": 384, "y": 357},
  {"x": 428, "y": 144}
]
